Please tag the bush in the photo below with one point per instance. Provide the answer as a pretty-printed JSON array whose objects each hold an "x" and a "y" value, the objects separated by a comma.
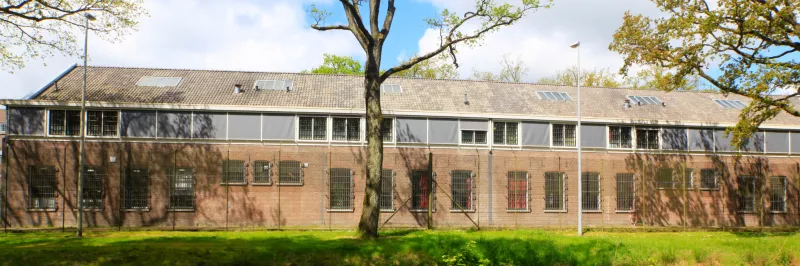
[{"x": 467, "y": 255}]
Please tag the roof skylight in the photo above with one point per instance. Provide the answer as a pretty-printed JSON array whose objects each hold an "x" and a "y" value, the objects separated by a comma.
[
  {"x": 274, "y": 85},
  {"x": 731, "y": 104},
  {"x": 391, "y": 88},
  {"x": 158, "y": 81},
  {"x": 642, "y": 100},
  {"x": 553, "y": 96}
]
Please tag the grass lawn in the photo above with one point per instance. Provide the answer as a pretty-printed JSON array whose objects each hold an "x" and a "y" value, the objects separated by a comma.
[{"x": 518, "y": 247}]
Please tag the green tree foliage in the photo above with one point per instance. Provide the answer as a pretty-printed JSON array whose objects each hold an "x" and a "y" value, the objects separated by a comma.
[
  {"x": 371, "y": 32},
  {"x": 589, "y": 78},
  {"x": 659, "y": 77},
  {"x": 512, "y": 70},
  {"x": 335, "y": 64},
  {"x": 32, "y": 29},
  {"x": 744, "y": 47}
]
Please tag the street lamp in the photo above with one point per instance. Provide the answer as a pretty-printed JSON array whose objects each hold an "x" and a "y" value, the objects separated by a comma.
[
  {"x": 89, "y": 17},
  {"x": 577, "y": 45}
]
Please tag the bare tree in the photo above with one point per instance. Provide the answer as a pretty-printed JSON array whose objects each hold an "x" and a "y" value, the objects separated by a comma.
[
  {"x": 512, "y": 70},
  {"x": 486, "y": 17}
]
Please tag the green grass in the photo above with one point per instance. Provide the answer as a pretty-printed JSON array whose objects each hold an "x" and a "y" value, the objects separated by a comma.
[{"x": 518, "y": 247}]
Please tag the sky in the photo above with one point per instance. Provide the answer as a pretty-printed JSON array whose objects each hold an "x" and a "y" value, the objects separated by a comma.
[{"x": 275, "y": 35}]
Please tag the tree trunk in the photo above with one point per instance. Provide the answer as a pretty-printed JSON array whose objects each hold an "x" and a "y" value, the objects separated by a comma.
[{"x": 368, "y": 226}]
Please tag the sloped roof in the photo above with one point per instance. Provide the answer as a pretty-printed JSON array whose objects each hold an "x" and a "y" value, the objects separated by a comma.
[{"x": 209, "y": 87}]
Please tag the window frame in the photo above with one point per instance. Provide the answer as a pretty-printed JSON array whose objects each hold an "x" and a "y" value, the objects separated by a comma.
[
  {"x": 632, "y": 193},
  {"x": 702, "y": 181},
  {"x": 586, "y": 192},
  {"x": 562, "y": 195},
  {"x": 740, "y": 198},
  {"x": 784, "y": 182},
  {"x": 511, "y": 195},
  {"x": 391, "y": 129},
  {"x": 226, "y": 173},
  {"x": 473, "y": 133},
  {"x": 416, "y": 189},
  {"x": 65, "y": 125},
  {"x": 631, "y": 141},
  {"x": 125, "y": 190},
  {"x": 102, "y": 179},
  {"x": 313, "y": 119},
  {"x": 267, "y": 172},
  {"x": 102, "y": 125},
  {"x": 172, "y": 176},
  {"x": 300, "y": 171},
  {"x": 347, "y": 120},
  {"x": 635, "y": 139},
  {"x": 564, "y": 135},
  {"x": 469, "y": 184},
  {"x": 391, "y": 185},
  {"x": 349, "y": 197},
  {"x": 49, "y": 182},
  {"x": 505, "y": 133}
]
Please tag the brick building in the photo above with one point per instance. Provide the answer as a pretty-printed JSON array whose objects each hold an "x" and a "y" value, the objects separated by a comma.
[{"x": 211, "y": 149}]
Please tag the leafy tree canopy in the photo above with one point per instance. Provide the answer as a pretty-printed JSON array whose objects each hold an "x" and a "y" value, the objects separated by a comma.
[{"x": 335, "y": 64}]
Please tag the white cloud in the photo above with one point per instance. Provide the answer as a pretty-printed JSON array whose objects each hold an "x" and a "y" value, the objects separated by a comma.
[
  {"x": 257, "y": 35},
  {"x": 542, "y": 38}
]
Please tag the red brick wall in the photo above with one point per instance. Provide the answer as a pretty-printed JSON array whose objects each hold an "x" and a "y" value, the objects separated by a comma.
[{"x": 306, "y": 206}]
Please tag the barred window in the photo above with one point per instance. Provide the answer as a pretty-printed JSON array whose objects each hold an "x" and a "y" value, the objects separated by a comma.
[
  {"x": 313, "y": 128},
  {"x": 261, "y": 172},
  {"x": 473, "y": 137},
  {"x": 665, "y": 179},
  {"x": 777, "y": 194},
  {"x": 619, "y": 137},
  {"x": 420, "y": 189},
  {"x": 625, "y": 192},
  {"x": 461, "y": 189},
  {"x": 233, "y": 172},
  {"x": 387, "y": 129},
  {"x": 688, "y": 178},
  {"x": 517, "y": 191},
  {"x": 747, "y": 197},
  {"x": 92, "y": 187},
  {"x": 505, "y": 133},
  {"x": 347, "y": 129},
  {"x": 590, "y": 188},
  {"x": 42, "y": 187},
  {"x": 102, "y": 123},
  {"x": 647, "y": 138},
  {"x": 564, "y": 135},
  {"x": 554, "y": 191},
  {"x": 181, "y": 192},
  {"x": 290, "y": 173},
  {"x": 708, "y": 179},
  {"x": 136, "y": 189},
  {"x": 341, "y": 189},
  {"x": 65, "y": 123},
  {"x": 386, "y": 198}
]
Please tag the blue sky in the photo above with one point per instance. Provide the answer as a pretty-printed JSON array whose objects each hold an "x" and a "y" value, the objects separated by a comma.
[{"x": 274, "y": 35}]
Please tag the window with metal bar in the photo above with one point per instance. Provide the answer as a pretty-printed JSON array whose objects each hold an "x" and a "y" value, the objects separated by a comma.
[
  {"x": 708, "y": 179},
  {"x": 554, "y": 191},
  {"x": 233, "y": 172},
  {"x": 386, "y": 198},
  {"x": 313, "y": 128},
  {"x": 92, "y": 187},
  {"x": 290, "y": 173},
  {"x": 505, "y": 133},
  {"x": 665, "y": 178},
  {"x": 181, "y": 192},
  {"x": 647, "y": 138},
  {"x": 65, "y": 123},
  {"x": 625, "y": 192},
  {"x": 517, "y": 191},
  {"x": 261, "y": 172},
  {"x": 136, "y": 189},
  {"x": 777, "y": 194},
  {"x": 688, "y": 178},
  {"x": 42, "y": 187},
  {"x": 461, "y": 189},
  {"x": 420, "y": 189},
  {"x": 102, "y": 123},
  {"x": 619, "y": 137},
  {"x": 387, "y": 129},
  {"x": 747, "y": 196},
  {"x": 563, "y": 135},
  {"x": 473, "y": 137},
  {"x": 341, "y": 189},
  {"x": 590, "y": 185},
  {"x": 347, "y": 129}
]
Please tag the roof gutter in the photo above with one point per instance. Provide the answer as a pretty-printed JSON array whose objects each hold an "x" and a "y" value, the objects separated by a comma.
[{"x": 40, "y": 91}]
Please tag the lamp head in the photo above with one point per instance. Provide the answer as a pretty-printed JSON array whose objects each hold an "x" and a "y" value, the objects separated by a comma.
[
  {"x": 575, "y": 45},
  {"x": 90, "y": 17}
]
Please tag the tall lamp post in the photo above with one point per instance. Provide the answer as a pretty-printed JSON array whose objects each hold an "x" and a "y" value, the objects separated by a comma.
[
  {"x": 577, "y": 46},
  {"x": 89, "y": 17}
]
